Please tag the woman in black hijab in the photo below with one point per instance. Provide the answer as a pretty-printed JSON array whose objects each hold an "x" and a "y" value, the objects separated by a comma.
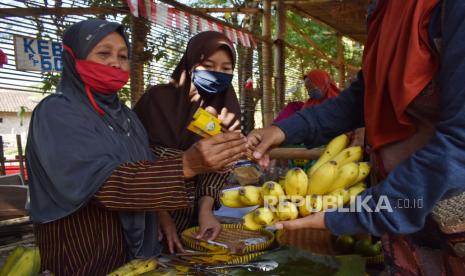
[
  {"x": 201, "y": 79},
  {"x": 94, "y": 183}
]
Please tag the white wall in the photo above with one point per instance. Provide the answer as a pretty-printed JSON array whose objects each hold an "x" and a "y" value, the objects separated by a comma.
[{"x": 9, "y": 127}]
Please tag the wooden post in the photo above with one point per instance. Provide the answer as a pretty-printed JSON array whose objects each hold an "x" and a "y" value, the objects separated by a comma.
[
  {"x": 341, "y": 62},
  {"x": 267, "y": 65},
  {"x": 20, "y": 156},
  {"x": 279, "y": 57},
  {"x": 139, "y": 31},
  {"x": 2, "y": 158}
]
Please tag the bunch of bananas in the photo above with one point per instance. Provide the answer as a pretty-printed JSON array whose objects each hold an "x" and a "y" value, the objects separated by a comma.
[
  {"x": 334, "y": 180},
  {"x": 22, "y": 261},
  {"x": 135, "y": 267}
]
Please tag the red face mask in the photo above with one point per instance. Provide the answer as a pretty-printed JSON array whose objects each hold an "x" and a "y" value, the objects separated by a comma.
[{"x": 100, "y": 78}]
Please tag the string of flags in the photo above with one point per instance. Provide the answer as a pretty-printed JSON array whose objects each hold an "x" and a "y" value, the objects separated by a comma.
[{"x": 173, "y": 18}]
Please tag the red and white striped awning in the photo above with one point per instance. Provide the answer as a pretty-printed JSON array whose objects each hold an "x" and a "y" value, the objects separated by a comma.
[{"x": 173, "y": 18}]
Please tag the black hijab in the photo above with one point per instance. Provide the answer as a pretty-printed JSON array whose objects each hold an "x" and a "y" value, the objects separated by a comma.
[
  {"x": 72, "y": 150},
  {"x": 168, "y": 107}
]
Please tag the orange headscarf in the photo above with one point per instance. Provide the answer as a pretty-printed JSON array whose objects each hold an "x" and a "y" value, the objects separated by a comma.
[
  {"x": 322, "y": 80},
  {"x": 398, "y": 63}
]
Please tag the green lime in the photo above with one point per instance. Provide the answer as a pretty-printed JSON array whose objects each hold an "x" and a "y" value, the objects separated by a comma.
[
  {"x": 361, "y": 237},
  {"x": 344, "y": 244},
  {"x": 375, "y": 249},
  {"x": 363, "y": 247}
]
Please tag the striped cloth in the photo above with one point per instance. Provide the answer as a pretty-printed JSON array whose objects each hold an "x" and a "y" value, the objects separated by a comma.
[
  {"x": 209, "y": 184},
  {"x": 90, "y": 241}
]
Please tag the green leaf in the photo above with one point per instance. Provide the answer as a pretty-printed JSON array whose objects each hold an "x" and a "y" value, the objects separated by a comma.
[{"x": 295, "y": 262}]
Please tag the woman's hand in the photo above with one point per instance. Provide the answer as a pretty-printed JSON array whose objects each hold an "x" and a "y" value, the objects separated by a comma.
[
  {"x": 168, "y": 231},
  {"x": 262, "y": 140},
  {"x": 214, "y": 154},
  {"x": 228, "y": 119},
  {"x": 209, "y": 226},
  {"x": 313, "y": 221}
]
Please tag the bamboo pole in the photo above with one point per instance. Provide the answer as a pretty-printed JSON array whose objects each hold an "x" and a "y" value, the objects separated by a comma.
[
  {"x": 235, "y": 10},
  {"x": 15, "y": 221},
  {"x": 139, "y": 30},
  {"x": 267, "y": 65},
  {"x": 21, "y": 12},
  {"x": 310, "y": 41},
  {"x": 295, "y": 153},
  {"x": 20, "y": 156},
  {"x": 350, "y": 67},
  {"x": 340, "y": 60},
  {"x": 2, "y": 158},
  {"x": 279, "y": 57}
]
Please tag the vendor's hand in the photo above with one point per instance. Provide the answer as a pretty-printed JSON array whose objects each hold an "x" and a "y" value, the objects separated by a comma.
[
  {"x": 262, "y": 140},
  {"x": 313, "y": 221},
  {"x": 358, "y": 138},
  {"x": 213, "y": 154},
  {"x": 168, "y": 230},
  {"x": 209, "y": 226}
]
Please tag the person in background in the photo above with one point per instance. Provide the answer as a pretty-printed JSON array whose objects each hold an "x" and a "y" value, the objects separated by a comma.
[
  {"x": 410, "y": 95},
  {"x": 319, "y": 87},
  {"x": 201, "y": 79},
  {"x": 95, "y": 186}
]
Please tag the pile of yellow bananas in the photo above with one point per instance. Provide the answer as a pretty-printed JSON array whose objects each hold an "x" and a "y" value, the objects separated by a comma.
[
  {"x": 335, "y": 179},
  {"x": 136, "y": 267},
  {"x": 22, "y": 261}
]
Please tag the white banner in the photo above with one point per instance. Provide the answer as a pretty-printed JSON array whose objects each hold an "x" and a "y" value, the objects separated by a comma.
[{"x": 37, "y": 54}]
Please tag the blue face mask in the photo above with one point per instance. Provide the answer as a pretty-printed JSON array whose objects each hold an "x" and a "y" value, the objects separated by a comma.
[
  {"x": 315, "y": 93},
  {"x": 211, "y": 82}
]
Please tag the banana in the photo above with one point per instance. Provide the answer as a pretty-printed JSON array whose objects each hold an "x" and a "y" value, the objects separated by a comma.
[
  {"x": 356, "y": 189},
  {"x": 331, "y": 201},
  {"x": 296, "y": 182},
  {"x": 306, "y": 207},
  {"x": 287, "y": 211},
  {"x": 135, "y": 267},
  {"x": 348, "y": 155},
  {"x": 251, "y": 195},
  {"x": 363, "y": 171},
  {"x": 346, "y": 176},
  {"x": 28, "y": 264},
  {"x": 249, "y": 222},
  {"x": 264, "y": 216},
  {"x": 124, "y": 270},
  {"x": 11, "y": 260},
  {"x": 142, "y": 266},
  {"x": 320, "y": 182},
  {"x": 230, "y": 198},
  {"x": 334, "y": 147},
  {"x": 272, "y": 192},
  {"x": 342, "y": 196}
]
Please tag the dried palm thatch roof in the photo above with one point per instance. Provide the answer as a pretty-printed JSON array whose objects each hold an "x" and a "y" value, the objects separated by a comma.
[{"x": 347, "y": 17}]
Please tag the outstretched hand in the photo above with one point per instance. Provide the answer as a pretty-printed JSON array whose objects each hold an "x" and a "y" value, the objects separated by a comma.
[
  {"x": 313, "y": 221},
  {"x": 214, "y": 154},
  {"x": 262, "y": 140}
]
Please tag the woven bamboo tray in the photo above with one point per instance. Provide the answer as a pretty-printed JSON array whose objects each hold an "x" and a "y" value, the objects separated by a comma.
[
  {"x": 231, "y": 233},
  {"x": 450, "y": 214},
  {"x": 317, "y": 241}
]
